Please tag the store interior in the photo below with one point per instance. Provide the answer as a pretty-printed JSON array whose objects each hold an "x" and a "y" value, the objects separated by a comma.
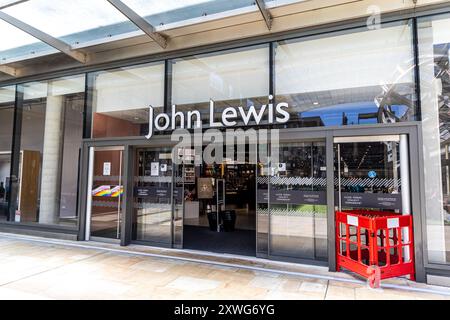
[
  {"x": 216, "y": 202},
  {"x": 220, "y": 208}
]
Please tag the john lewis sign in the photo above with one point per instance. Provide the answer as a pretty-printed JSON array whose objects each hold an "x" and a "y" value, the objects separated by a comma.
[{"x": 230, "y": 117}]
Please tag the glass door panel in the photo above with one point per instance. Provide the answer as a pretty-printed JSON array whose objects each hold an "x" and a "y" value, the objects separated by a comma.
[
  {"x": 368, "y": 173},
  {"x": 106, "y": 192},
  {"x": 297, "y": 202},
  {"x": 152, "y": 216}
]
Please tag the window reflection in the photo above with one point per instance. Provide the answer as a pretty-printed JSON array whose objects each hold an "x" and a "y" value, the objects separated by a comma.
[
  {"x": 363, "y": 77},
  {"x": 235, "y": 78},
  {"x": 434, "y": 46},
  {"x": 122, "y": 98}
]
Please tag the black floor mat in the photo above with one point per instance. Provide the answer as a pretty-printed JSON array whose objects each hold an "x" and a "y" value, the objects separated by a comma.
[{"x": 240, "y": 242}]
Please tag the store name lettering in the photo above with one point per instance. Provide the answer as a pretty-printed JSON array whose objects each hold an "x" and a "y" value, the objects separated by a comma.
[{"x": 229, "y": 118}]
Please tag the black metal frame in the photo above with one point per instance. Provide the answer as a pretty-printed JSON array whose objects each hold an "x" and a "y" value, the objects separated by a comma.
[{"x": 328, "y": 133}]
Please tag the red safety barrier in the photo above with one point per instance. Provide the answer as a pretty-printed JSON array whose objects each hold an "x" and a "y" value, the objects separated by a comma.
[{"x": 375, "y": 244}]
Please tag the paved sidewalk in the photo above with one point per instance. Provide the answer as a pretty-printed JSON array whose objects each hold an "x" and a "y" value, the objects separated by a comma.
[{"x": 33, "y": 269}]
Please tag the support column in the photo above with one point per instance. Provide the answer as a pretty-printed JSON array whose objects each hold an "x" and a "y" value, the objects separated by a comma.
[{"x": 51, "y": 161}]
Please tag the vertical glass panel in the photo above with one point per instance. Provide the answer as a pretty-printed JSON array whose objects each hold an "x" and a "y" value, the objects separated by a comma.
[
  {"x": 50, "y": 143},
  {"x": 107, "y": 192},
  {"x": 234, "y": 78},
  {"x": 122, "y": 98},
  {"x": 152, "y": 216},
  {"x": 434, "y": 46},
  {"x": 297, "y": 202},
  {"x": 363, "y": 77},
  {"x": 7, "y": 99}
]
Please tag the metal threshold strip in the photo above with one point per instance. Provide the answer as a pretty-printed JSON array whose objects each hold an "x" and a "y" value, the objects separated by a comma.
[{"x": 98, "y": 246}]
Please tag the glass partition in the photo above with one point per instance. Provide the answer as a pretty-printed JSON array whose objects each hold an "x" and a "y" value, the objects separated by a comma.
[
  {"x": 348, "y": 78},
  {"x": 434, "y": 46}
]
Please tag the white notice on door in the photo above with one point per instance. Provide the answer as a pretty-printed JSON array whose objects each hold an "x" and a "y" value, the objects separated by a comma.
[
  {"x": 106, "y": 168},
  {"x": 154, "y": 169}
]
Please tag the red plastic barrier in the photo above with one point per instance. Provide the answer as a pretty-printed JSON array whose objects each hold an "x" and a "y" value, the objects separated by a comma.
[{"x": 374, "y": 244}]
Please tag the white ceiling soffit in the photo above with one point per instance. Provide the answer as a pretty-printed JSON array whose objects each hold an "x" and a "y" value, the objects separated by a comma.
[{"x": 224, "y": 26}]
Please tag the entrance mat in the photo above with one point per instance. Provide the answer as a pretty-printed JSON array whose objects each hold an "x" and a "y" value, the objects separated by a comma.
[{"x": 240, "y": 242}]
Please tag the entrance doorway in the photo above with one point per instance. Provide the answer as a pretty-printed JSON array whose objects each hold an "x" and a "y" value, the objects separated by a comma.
[
  {"x": 280, "y": 211},
  {"x": 105, "y": 192},
  {"x": 220, "y": 207}
]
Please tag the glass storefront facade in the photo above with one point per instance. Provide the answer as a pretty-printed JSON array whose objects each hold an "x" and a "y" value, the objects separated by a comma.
[
  {"x": 357, "y": 78},
  {"x": 42, "y": 186}
]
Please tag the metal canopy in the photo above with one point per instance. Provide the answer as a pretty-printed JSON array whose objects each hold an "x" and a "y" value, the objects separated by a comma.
[
  {"x": 265, "y": 13},
  {"x": 44, "y": 37},
  {"x": 68, "y": 27},
  {"x": 140, "y": 22}
]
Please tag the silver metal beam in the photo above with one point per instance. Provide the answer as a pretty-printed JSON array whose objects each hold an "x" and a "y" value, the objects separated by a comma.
[
  {"x": 8, "y": 70},
  {"x": 140, "y": 22},
  {"x": 11, "y": 3},
  {"x": 265, "y": 13},
  {"x": 44, "y": 37}
]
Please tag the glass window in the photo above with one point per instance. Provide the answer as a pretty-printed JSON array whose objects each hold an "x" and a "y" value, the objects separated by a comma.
[
  {"x": 434, "y": 46},
  {"x": 122, "y": 98},
  {"x": 50, "y": 143},
  {"x": 236, "y": 78},
  {"x": 345, "y": 79},
  {"x": 7, "y": 98}
]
